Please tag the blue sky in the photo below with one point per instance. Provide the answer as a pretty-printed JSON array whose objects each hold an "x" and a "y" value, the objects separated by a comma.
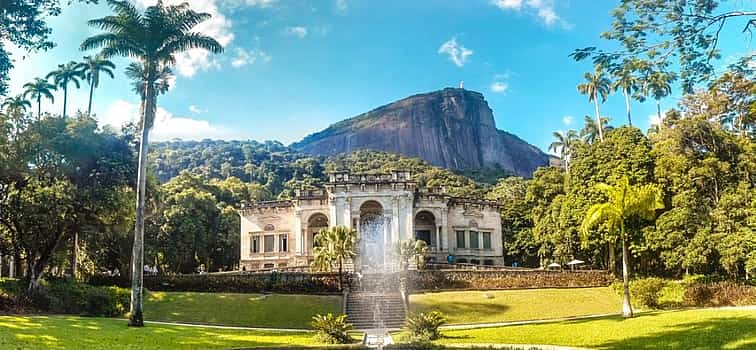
[{"x": 292, "y": 67}]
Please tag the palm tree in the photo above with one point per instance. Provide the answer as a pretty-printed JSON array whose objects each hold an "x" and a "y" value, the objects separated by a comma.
[
  {"x": 591, "y": 131},
  {"x": 625, "y": 81},
  {"x": 624, "y": 203},
  {"x": 415, "y": 250},
  {"x": 596, "y": 85},
  {"x": 563, "y": 145},
  {"x": 334, "y": 246},
  {"x": 37, "y": 89},
  {"x": 15, "y": 106},
  {"x": 659, "y": 86},
  {"x": 153, "y": 38},
  {"x": 67, "y": 73},
  {"x": 93, "y": 65}
]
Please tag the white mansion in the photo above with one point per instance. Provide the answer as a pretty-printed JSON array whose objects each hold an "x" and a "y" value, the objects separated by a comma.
[{"x": 384, "y": 209}]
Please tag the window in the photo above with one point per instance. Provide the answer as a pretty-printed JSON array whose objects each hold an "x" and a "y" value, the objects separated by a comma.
[
  {"x": 269, "y": 265},
  {"x": 488, "y": 262},
  {"x": 270, "y": 241},
  {"x": 460, "y": 239},
  {"x": 423, "y": 235},
  {"x": 255, "y": 246},
  {"x": 283, "y": 243},
  {"x": 474, "y": 240},
  {"x": 487, "y": 240},
  {"x": 475, "y": 262}
]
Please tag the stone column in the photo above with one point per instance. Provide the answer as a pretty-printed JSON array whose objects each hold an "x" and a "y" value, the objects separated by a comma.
[
  {"x": 332, "y": 208},
  {"x": 12, "y": 267},
  {"x": 298, "y": 237},
  {"x": 439, "y": 240},
  {"x": 395, "y": 234},
  {"x": 1, "y": 265},
  {"x": 347, "y": 212}
]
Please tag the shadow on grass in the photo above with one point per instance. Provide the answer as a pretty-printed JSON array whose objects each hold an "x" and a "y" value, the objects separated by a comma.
[{"x": 717, "y": 333}]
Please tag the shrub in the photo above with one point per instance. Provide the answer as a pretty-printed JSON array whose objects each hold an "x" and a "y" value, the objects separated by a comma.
[
  {"x": 719, "y": 294},
  {"x": 647, "y": 291},
  {"x": 332, "y": 329},
  {"x": 66, "y": 296},
  {"x": 424, "y": 326}
]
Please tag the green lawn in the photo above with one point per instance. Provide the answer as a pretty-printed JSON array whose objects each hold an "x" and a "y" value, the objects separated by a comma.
[
  {"x": 81, "y": 333},
  {"x": 517, "y": 305},
  {"x": 249, "y": 310},
  {"x": 691, "y": 329}
]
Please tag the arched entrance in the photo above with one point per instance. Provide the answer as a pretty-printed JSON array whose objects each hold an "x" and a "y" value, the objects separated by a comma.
[
  {"x": 316, "y": 223},
  {"x": 372, "y": 235},
  {"x": 425, "y": 227}
]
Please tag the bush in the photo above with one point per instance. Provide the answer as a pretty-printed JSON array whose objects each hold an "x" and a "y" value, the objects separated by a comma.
[
  {"x": 647, "y": 291},
  {"x": 719, "y": 294},
  {"x": 65, "y": 296},
  {"x": 424, "y": 326},
  {"x": 332, "y": 329}
]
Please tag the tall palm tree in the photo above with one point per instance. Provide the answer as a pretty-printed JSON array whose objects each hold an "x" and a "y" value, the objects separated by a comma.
[
  {"x": 596, "y": 86},
  {"x": 625, "y": 202},
  {"x": 591, "y": 131},
  {"x": 65, "y": 74},
  {"x": 563, "y": 145},
  {"x": 659, "y": 85},
  {"x": 625, "y": 81},
  {"x": 153, "y": 38},
  {"x": 93, "y": 65},
  {"x": 334, "y": 246},
  {"x": 37, "y": 89}
]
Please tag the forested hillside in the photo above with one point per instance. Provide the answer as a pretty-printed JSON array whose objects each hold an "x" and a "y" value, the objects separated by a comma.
[{"x": 274, "y": 170}]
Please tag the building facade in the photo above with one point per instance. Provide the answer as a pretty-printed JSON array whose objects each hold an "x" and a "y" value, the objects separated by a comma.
[{"x": 384, "y": 209}]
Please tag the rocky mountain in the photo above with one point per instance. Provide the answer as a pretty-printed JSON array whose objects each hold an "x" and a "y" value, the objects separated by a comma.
[{"x": 451, "y": 128}]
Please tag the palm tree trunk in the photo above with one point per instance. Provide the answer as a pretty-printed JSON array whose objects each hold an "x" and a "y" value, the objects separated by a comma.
[
  {"x": 658, "y": 114},
  {"x": 75, "y": 257},
  {"x": 627, "y": 309},
  {"x": 91, "y": 93},
  {"x": 612, "y": 263},
  {"x": 341, "y": 281},
  {"x": 39, "y": 107},
  {"x": 598, "y": 117},
  {"x": 627, "y": 106},
  {"x": 136, "y": 319},
  {"x": 65, "y": 99}
]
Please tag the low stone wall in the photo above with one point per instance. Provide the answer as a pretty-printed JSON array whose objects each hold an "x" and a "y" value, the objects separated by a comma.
[{"x": 461, "y": 280}]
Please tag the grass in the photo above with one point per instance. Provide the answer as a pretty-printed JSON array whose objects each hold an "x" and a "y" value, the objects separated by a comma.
[
  {"x": 517, "y": 305},
  {"x": 249, "y": 310},
  {"x": 690, "y": 329},
  {"x": 68, "y": 332}
]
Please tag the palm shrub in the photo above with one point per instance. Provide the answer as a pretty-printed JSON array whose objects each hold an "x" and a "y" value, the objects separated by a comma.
[
  {"x": 424, "y": 326},
  {"x": 332, "y": 329}
]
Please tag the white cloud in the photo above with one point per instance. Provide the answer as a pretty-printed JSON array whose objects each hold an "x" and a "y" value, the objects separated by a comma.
[
  {"x": 567, "y": 120},
  {"x": 167, "y": 125},
  {"x": 499, "y": 87},
  {"x": 457, "y": 53},
  {"x": 244, "y": 57},
  {"x": 297, "y": 31},
  {"x": 194, "y": 109},
  {"x": 653, "y": 119},
  {"x": 342, "y": 5},
  {"x": 188, "y": 63},
  {"x": 543, "y": 9},
  {"x": 250, "y": 3}
]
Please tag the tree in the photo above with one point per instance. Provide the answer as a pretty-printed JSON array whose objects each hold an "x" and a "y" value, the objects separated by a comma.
[
  {"x": 563, "y": 145},
  {"x": 92, "y": 66},
  {"x": 413, "y": 250},
  {"x": 659, "y": 32},
  {"x": 628, "y": 83},
  {"x": 171, "y": 31},
  {"x": 15, "y": 106},
  {"x": 596, "y": 86},
  {"x": 37, "y": 89},
  {"x": 624, "y": 202},
  {"x": 591, "y": 131},
  {"x": 658, "y": 85},
  {"x": 67, "y": 73},
  {"x": 23, "y": 23},
  {"x": 334, "y": 246}
]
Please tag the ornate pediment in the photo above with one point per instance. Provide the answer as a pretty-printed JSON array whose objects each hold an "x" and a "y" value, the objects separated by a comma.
[{"x": 472, "y": 213}]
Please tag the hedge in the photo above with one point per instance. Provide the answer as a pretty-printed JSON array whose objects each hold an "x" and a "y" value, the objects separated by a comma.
[
  {"x": 239, "y": 282},
  {"x": 458, "y": 279}
]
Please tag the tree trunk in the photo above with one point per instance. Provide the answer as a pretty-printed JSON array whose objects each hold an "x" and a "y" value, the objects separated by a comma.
[
  {"x": 75, "y": 257},
  {"x": 65, "y": 99},
  {"x": 1, "y": 265},
  {"x": 598, "y": 117},
  {"x": 612, "y": 263},
  {"x": 341, "y": 281},
  {"x": 658, "y": 114},
  {"x": 627, "y": 309},
  {"x": 39, "y": 107},
  {"x": 136, "y": 319},
  {"x": 91, "y": 92},
  {"x": 627, "y": 106}
]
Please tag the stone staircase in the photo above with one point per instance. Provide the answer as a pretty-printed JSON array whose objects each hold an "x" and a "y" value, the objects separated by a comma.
[{"x": 366, "y": 310}]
